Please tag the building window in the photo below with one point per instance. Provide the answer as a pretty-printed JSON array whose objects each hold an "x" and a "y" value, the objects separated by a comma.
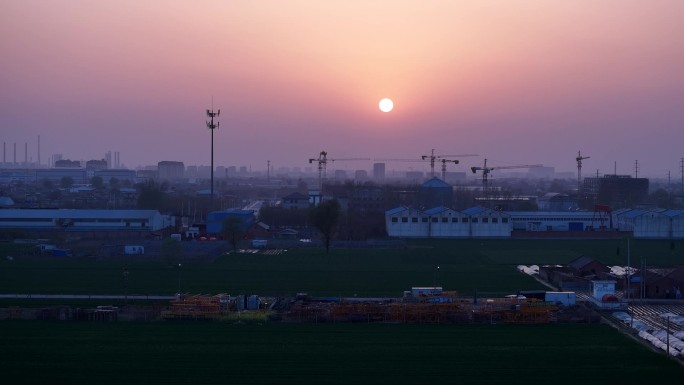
[
  {"x": 414, "y": 220},
  {"x": 434, "y": 219},
  {"x": 404, "y": 219},
  {"x": 485, "y": 220},
  {"x": 395, "y": 219},
  {"x": 454, "y": 220},
  {"x": 495, "y": 220},
  {"x": 504, "y": 220},
  {"x": 464, "y": 219},
  {"x": 445, "y": 220},
  {"x": 425, "y": 219},
  {"x": 474, "y": 220}
]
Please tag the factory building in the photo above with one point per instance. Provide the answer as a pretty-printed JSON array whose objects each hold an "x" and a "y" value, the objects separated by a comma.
[
  {"x": 68, "y": 220},
  {"x": 215, "y": 219},
  {"x": 480, "y": 222},
  {"x": 442, "y": 222},
  {"x": 119, "y": 174},
  {"x": 435, "y": 192},
  {"x": 655, "y": 224},
  {"x": 554, "y": 221},
  {"x": 77, "y": 175}
]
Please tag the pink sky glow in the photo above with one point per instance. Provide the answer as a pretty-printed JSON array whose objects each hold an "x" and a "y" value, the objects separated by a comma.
[{"x": 517, "y": 82}]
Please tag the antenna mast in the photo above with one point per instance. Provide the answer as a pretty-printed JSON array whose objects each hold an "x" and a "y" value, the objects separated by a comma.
[
  {"x": 212, "y": 126},
  {"x": 636, "y": 169}
]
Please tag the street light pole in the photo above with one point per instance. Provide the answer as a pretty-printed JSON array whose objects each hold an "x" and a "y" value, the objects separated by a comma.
[
  {"x": 125, "y": 278},
  {"x": 179, "y": 278}
]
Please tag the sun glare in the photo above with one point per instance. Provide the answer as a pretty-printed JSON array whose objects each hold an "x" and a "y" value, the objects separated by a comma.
[{"x": 386, "y": 105}]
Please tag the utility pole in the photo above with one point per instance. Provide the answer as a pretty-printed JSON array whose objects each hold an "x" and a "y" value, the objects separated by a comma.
[{"x": 212, "y": 126}]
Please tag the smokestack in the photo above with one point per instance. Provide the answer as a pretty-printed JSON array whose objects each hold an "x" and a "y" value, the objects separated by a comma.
[
  {"x": 25, "y": 154},
  {"x": 38, "y": 151},
  {"x": 4, "y": 153},
  {"x": 15, "y": 153}
]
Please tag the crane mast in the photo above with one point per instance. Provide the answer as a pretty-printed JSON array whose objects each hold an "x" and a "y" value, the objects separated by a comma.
[
  {"x": 579, "y": 160},
  {"x": 486, "y": 170},
  {"x": 432, "y": 157},
  {"x": 322, "y": 161}
]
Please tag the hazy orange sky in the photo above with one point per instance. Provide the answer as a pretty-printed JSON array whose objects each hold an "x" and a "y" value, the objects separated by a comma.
[{"x": 518, "y": 82}]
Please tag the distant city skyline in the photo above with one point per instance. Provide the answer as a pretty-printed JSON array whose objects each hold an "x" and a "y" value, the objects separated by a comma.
[{"x": 516, "y": 82}]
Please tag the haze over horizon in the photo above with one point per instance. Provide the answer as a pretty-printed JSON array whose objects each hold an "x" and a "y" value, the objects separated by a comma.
[{"x": 517, "y": 82}]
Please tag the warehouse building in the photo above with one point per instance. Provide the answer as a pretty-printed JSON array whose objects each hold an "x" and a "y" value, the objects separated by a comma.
[
  {"x": 443, "y": 222},
  {"x": 81, "y": 221},
  {"x": 216, "y": 219},
  {"x": 480, "y": 222},
  {"x": 655, "y": 224},
  {"x": 554, "y": 221}
]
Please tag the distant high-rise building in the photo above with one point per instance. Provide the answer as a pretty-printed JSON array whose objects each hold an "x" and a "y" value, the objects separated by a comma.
[
  {"x": 617, "y": 191},
  {"x": 360, "y": 175},
  {"x": 108, "y": 159},
  {"x": 340, "y": 174},
  {"x": 191, "y": 171},
  {"x": 170, "y": 170},
  {"x": 54, "y": 159},
  {"x": 378, "y": 171},
  {"x": 220, "y": 171},
  {"x": 67, "y": 163},
  {"x": 96, "y": 164},
  {"x": 243, "y": 169},
  {"x": 204, "y": 171}
]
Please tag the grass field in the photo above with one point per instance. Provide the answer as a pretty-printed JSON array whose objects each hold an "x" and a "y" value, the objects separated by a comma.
[
  {"x": 220, "y": 353},
  {"x": 485, "y": 266}
]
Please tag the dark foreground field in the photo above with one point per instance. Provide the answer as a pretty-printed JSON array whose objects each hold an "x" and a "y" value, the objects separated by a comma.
[
  {"x": 485, "y": 266},
  {"x": 220, "y": 353}
]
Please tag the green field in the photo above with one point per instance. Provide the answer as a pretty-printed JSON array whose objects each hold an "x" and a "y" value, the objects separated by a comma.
[
  {"x": 218, "y": 353},
  {"x": 485, "y": 266}
]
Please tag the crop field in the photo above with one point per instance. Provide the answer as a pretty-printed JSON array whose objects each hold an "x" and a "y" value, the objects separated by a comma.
[
  {"x": 467, "y": 266},
  {"x": 36, "y": 352}
]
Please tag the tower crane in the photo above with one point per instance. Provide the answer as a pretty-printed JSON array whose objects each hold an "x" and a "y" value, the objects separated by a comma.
[
  {"x": 579, "y": 160},
  {"x": 432, "y": 157},
  {"x": 322, "y": 161},
  {"x": 486, "y": 170}
]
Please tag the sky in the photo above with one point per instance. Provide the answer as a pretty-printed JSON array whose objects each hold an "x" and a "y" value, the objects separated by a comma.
[{"x": 516, "y": 82}]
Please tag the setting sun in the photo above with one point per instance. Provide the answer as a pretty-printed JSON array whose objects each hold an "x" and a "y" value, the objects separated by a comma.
[{"x": 386, "y": 105}]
